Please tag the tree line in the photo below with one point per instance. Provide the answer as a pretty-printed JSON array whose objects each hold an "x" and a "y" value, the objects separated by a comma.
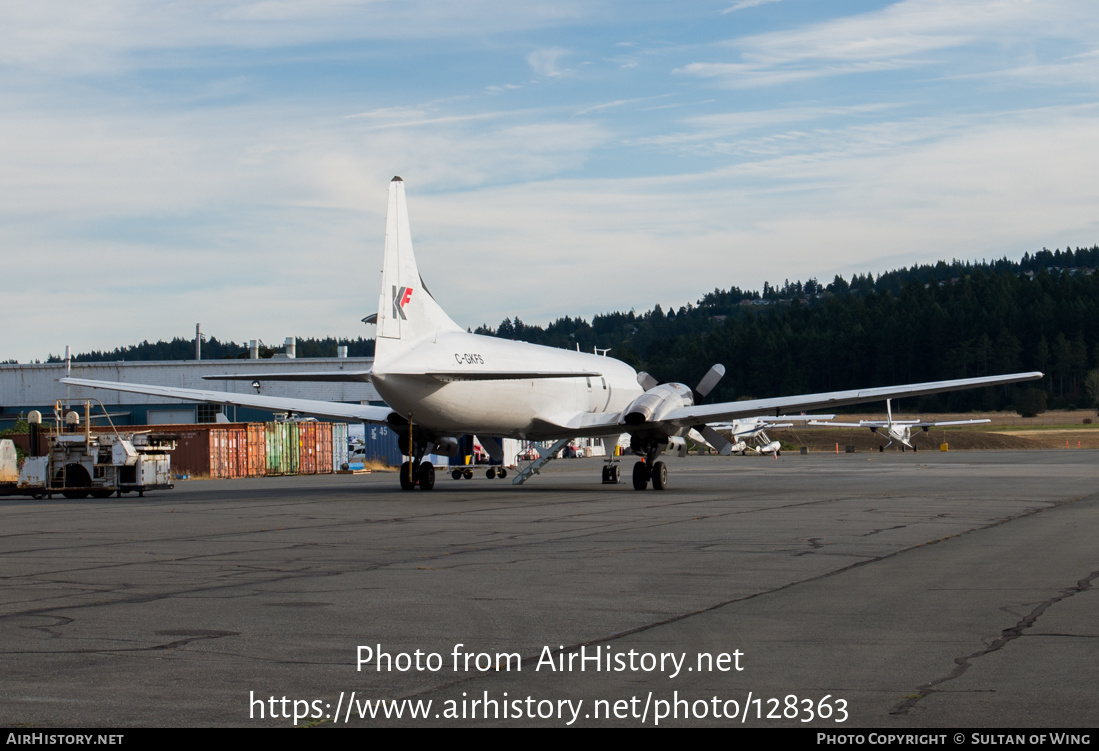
[
  {"x": 925, "y": 323},
  {"x": 213, "y": 349}
]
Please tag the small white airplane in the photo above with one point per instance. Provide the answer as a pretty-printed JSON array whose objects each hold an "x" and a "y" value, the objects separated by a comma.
[
  {"x": 897, "y": 431},
  {"x": 441, "y": 382},
  {"x": 754, "y": 429}
]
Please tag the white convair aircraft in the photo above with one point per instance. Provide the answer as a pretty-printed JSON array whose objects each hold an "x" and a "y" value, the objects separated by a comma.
[
  {"x": 441, "y": 382},
  {"x": 899, "y": 431}
]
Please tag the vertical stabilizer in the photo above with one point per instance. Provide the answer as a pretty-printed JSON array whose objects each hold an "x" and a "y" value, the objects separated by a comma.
[{"x": 406, "y": 310}]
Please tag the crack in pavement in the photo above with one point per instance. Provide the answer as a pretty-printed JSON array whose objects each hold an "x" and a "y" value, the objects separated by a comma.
[{"x": 1008, "y": 635}]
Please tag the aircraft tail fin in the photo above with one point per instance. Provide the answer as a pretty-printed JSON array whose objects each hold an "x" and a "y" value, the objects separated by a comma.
[{"x": 406, "y": 309}]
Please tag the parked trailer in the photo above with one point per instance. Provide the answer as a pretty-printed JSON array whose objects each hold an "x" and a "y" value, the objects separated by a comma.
[{"x": 77, "y": 465}]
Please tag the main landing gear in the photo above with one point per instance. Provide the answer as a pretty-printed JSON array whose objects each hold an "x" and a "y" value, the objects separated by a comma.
[
  {"x": 643, "y": 472},
  {"x": 421, "y": 475},
  {"x": 648, "y": 469},
  {"x": 415, "y": 473}
]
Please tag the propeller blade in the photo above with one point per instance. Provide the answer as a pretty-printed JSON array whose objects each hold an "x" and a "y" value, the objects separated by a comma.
[
  {"x": 715, "y": 439},
  {"x": 646, "y": 381},
  {"x": 710, "y": 380}
]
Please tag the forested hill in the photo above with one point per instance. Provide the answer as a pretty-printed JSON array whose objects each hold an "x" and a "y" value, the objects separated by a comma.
[
  {"x": 926, "y": 323},
  {"x": 931, "y": 322}
]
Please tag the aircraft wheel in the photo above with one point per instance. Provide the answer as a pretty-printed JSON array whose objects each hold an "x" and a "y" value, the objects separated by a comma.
[
  {"x": 913, "y": 449},
  {"x": 456, "y": 474},
  {"x": 640, "y": 476},
  {"x": 881, "y": 449},
  {"x": 490, "y": 473},
  {"x": 501, "y": 472},
  {"x": 660, "y": 475},
  {"x": 427, "y": 477},
  {"x": 78, "y": 481},
  {"x": 406, "y": 482},
  {"x": 468, "y": 474}
]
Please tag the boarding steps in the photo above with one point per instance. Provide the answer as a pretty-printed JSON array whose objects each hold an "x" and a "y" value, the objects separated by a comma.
[{"x": 533, "y": 468}]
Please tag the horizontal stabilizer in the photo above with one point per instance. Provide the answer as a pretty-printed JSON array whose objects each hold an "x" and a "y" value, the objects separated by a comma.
[
  {"x": 329, "y": 376},
  {"x": 339, "y": 410}
]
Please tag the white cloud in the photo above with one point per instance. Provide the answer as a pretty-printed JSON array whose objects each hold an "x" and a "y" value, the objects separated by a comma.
[
  {"x": 81, "y": 38},
  {"x": 745, "y": 4},
  {"x": 544, "y": 61},
  {"x": 905, "y": 34}
]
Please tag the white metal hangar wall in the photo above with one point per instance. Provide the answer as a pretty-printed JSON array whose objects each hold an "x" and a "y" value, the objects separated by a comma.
[{"x": 24, "y": 387}]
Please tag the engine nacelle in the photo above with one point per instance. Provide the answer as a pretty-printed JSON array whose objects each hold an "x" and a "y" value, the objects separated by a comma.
[
  {"x": 445, "y": 447},
  {"x": 678, "y": 444},
  {"x": 657, "y": 402}
]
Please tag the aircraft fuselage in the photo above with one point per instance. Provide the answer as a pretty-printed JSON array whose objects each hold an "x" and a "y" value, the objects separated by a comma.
[{"x": 530, "y": 408}]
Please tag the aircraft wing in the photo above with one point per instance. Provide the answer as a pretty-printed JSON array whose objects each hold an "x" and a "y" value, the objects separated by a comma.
[
  {"x": 906, "y": 423},
  {"x": 950, "y": 422},
  {"x": 330, "y": 376},
  {"x": 859, "y": 424},
  {"x": 685, "y": 417},
  {"x": 596, "y": 424},
  {"x": 770, "y": 421},
  {"x": 363, "y": 412}
]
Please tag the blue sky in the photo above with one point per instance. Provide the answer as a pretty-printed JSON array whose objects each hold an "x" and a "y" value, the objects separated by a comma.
[{"x": 165, "y": 163}]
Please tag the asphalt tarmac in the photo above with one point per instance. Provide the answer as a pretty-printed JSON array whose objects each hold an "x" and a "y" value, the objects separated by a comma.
[{"x": 889, "y": 591}]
